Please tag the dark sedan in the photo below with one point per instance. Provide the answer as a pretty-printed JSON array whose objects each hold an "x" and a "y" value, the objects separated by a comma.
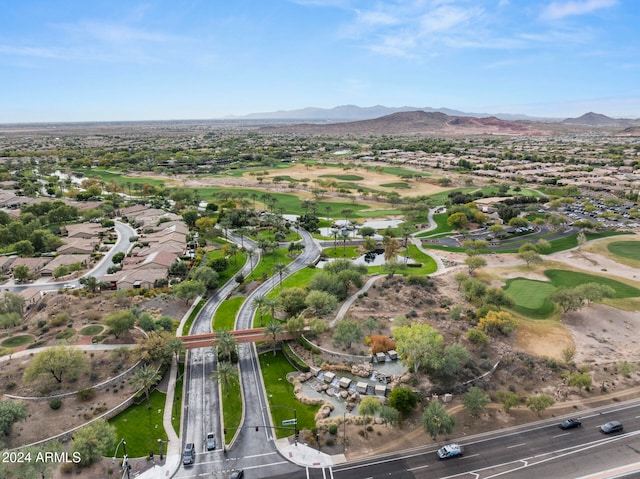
[{"x": 570, "y": 424}]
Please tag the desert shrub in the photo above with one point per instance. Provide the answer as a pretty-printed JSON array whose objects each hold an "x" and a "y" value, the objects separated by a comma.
[
  {"x": 477, "y": 337},
  {"x": 86, "y": 394},
  {"x": 66, "y": 334},
  {"x": 333, "y": 429},
  {"x": 381, "y": 344},
  {"x": 55, "y": 404},
  {"x": 59, "y": 319}
]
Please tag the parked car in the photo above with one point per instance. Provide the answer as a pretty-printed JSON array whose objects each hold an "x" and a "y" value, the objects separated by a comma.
[
  {"x": 570, "y": 423},
  {"x": 610, "y": 427},
  {"x": 189, "y": 454},
  {"x": 237, "y": 474},
  {"x": 449, "y": 451},
  {"x": 211, "y": 441}
]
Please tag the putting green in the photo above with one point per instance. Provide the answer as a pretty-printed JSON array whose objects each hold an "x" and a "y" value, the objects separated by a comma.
[
  {"x": 531, "y": 297},
  {"x": 626, "y": 249}
]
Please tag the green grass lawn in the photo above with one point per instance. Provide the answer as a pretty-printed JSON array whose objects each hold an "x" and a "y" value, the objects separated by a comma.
[
  {"x": 626, "y": 249},
  {"x": 341, "y": 251},
  {"x": 266, "y": 264},
  {"x": 176, "y": 411},
  {"x": 194, "y": 314},
  {"x": 441, "y": 226},
  {"x": 344, "y": 177},
  {"x": 141, "y": 427},
  {"x": 91, "y": 330},
  {"x": 15, "y": 341},
  {"x": 531, "y": 297},
  {"x": 571, "y": 279},
  {"x": 231, "y": 410},
  {"x": 280, "y": 393},
  {"x": 225, "y": 316},
  {"x": 397, "y": 185}
]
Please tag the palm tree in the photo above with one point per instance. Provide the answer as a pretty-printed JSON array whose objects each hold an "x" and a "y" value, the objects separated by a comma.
[
  {"x": 225, "y": 344},
  {"x": 280, "y": 269},
  {"x": 271, "y": 331},
  {"x": 259, "y": 303},
  {"x": 176, "y": 346},
  {"x": 250, "y": 253},
  {"x": 145, "y": 377},
  {"x": 344, "y": 236},
  {"x": 271, "y": 303},
  {"x": 226, "y": 375}
]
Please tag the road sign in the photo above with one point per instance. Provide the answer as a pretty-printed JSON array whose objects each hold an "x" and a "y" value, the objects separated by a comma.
[{"x": 289, "y": 422}]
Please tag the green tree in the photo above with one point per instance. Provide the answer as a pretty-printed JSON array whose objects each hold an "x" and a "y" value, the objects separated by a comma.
[
  {"x": 24, "y": 248},
  {"x": 157, "y": 347},
  {"x": 580, "y": 380},
  {"x": 568, "y": 299},
  {"x": 176, "y": 346},
  {"x": 258, "y": 303},
  {"x": 189, "y": 290},
  {"x": 475, "y": 400},
  {"x": 475, "y": 262},
  {"x": 21, "y": 272},
  {"x": 94, "y": 441},
  {"x": 458, "y": 220},
  {"x": 226, "y": 375},
  {"x": 403, "y": 399},
  {"x": 530, "y": 257},
  {"x": 320, "y": 302},
  {"x": 272, "y": 331},
  {"x": 291, "y": 301},
  {"x": 435, "y": 420},
  {"x": 206, "y": 276},
  {"x": 389, "y": 415},
  {"x": 60, "y": 362},
  {"x": 118, "y": 257},
  {"x": 145, "y": 377},
  {"x": 595, "y": 292},
  {"x": 120, "y": 322},
  {"x": 418, "y": 345},
  {"x": 369, "y": 406},
  {"x": 539, "y": 402},
  {"x": 10, "y": 413},
  {"x": 280, "y": 269},
  {"x": 508, "y": 399},
  {"x": 225, "y": 344},
  {"x": 11, "y": 303},
  {"x": 346, "y": 332},
  {"x": 295, "y": 326}
]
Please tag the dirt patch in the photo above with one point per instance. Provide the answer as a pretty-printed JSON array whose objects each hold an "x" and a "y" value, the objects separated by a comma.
[{"x": 43, "y": 421}]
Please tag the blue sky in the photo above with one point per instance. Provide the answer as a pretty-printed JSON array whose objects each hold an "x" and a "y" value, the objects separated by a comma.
[{"x": 68, "y": 60}]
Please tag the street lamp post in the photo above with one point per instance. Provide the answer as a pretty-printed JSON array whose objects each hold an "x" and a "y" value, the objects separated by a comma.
[
  {"x": 295, "y": 421},
  {"x": 126, "y": 468},
  {"x": 160, "y": 443}
]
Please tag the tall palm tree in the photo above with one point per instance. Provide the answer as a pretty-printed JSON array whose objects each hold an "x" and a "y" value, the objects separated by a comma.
[
  {"x": 271, "y": 303},
  {"x": 145, "y": 377},
  {"x": 225, "y": 375},
  {"x": 271, "y": 331},
  {"x": 225, "y": 344},
  {"x": 259, "y": 303},
  {"x": 176, "y": 346},
  {"x": 280, "y": 269}
]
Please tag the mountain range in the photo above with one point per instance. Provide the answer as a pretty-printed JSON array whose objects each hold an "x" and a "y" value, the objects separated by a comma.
[{"x": 355, "y": 113}]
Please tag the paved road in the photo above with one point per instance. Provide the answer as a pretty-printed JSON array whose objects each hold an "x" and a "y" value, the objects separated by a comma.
[
  {"x": 533, "y": 451},
  {"x": 123, "y": 244},
  {"x": 254, "y": 451}
]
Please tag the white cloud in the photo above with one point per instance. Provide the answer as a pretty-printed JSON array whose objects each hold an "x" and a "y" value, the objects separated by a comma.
[{"x": 559, "y": 10}]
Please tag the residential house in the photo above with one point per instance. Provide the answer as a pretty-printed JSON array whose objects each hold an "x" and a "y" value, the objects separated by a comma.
[{"x": 65, "y": 260}]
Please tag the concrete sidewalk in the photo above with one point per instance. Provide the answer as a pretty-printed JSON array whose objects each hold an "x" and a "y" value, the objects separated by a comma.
[{"x": 306, "y": 456}]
